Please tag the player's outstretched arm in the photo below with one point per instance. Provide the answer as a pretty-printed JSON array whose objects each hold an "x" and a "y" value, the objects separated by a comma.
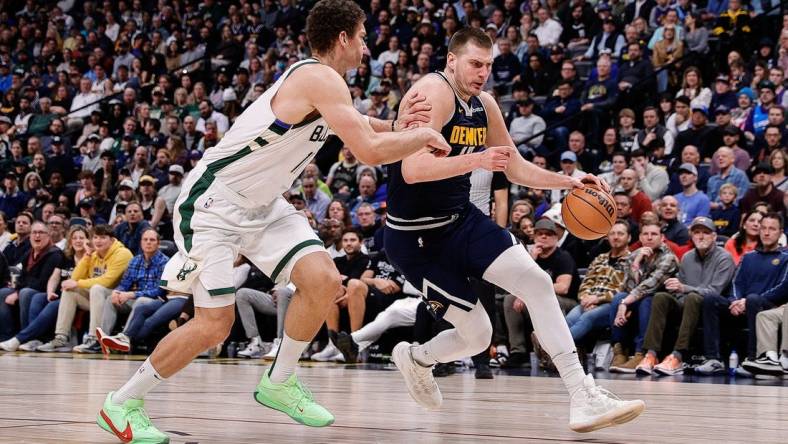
[
  {"x": 519, "y": 170},
  {"x": 413, "y": 112},
  {"x": 328, "y": 93}
]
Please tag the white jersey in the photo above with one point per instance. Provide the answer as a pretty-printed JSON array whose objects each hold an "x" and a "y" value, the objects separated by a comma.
[{"x": 260, "y": 156}]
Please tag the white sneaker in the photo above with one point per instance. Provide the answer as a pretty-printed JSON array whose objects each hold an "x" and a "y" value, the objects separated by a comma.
[
  {"x": 31, "y": 346},
  {"x": 271, "y": 355},
  {"x": 10, "y": 345},
  {"x": 593, "y": 407},
  {"x": 419, "y": 380},
  {"x": 327, "y": 354},
  {"x": 254, "y": 350}
]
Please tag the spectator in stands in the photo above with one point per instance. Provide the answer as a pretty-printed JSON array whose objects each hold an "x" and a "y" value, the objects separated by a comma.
[
  {"x": 19, "y": 243},
  {"x": 351, "y": 266},
  {"x": 747, "y": 238},
  {"x": 599, "y": 96},
  {"x": 680, "y": 119},
  {"x": 561, "y": 267},
  {"x": 28, "y": 292},
  {"x": 697, "y": 134},
  {"x": 730, "y": 136},
  {"x": 603, "y": 280},
  {"x": 619, "y": 163},
  {"x": 763, "y": 191},
  {"x": 639, "y": 201},
  {"x": 172, "y": 190},
  {"x": 728, "y": 174},
  {"x": 758, "y": 119},
  {"x": 646, "y": 271},
  {"x": 90, "y": 285},
  {"x": 139, "y": 295},
  {"x": 525, "y": 127},
  {"x": 652, "y": 130},
  {"x": 367, "y": 226},
  {"x": 606, "y": 41},
  {"x": 652, "y": 180},
  {"x": 705, "y": 271},
  {"x": 154, "y": 209},
  {"x": 726, "y": 215},
  {"x": 558, "y": 107},
  {"x": 505, "y": 68},
  {"x": 588, "y": 158},
  {"x": 568, "y": 168},
  {"x": 5, "y": 235},
  {"x": 692, "y": 88},
  {"x": 756, "y": 287},
  {"x": 692, "y": 202},
  {"x": 342, "y": 175},
  {"x": 43, "y": 322},
  {"x": 549, "y": 30},
  {"x": 129, "y": 232},
  {"x": 778, "y": 160},
  {"x": 666, "y": 52},
  {"x": 672, "y": 228},
  {"x": 12, "y": 199},
  {"x": 207, "y": 114},
  {"x": 767, "y": 324},
  {"x": 57, "y": 224}
]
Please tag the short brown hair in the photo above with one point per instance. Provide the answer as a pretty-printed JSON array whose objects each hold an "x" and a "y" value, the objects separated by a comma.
[
  {"x": 328, "y": 19},
  {"x": 469, "y": 35},
  {"x": 103, "y": 230}
]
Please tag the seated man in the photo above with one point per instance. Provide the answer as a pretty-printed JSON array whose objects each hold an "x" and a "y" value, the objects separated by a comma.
[
  {"x": 558, "y": 264},
  {"x": 90, "y": 285},
  {"x": 673, "y": 229},
  {"x": 756, "y": 287},
  {"x": 139, "y": 286},
  {"x": 272, "y": 303},
  {"x": 604, "y": 279},
  {"x": 31, "y": 286},
  {"x": 353, "y": 297},
  {"x": 19, "y": 243},
  {"x": 646, "y": 271},
  {"x": 706, "y": 270},
  {"x": 130, "y": 231},
  {"x": 768, "y": 323},
  {"x": 367, "y": 225},
  {"x": 384, "y": 286}
]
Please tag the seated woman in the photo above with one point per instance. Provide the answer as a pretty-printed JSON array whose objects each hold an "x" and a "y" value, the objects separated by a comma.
[{"x": 43, "y": 323}]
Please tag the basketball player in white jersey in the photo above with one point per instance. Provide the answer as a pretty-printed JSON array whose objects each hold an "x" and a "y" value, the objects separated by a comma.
[
  {"x": 438, "y": 239},
  {"x": 232, "y": 204}
]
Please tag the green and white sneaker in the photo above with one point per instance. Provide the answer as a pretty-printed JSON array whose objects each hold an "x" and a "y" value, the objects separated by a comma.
[
  {"x": 294, "y": 400},
  {"x": 129, "y": 422}
]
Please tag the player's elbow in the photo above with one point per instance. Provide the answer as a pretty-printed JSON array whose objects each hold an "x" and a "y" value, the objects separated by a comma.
[{"x": 368, "y": 156}]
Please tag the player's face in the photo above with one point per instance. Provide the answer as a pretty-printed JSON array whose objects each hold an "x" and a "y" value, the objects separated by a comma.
[
  {"x": 357, "y": 45},
  {"x": 471, "y": 68}
]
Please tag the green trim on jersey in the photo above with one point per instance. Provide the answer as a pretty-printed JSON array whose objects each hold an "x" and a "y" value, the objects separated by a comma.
[
  {"x": 290, "y": 254},
  {"x": 221, "y": 291}
]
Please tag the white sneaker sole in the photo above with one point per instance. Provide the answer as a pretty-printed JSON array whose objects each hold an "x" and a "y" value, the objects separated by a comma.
[
  {"x": 621, "y": 415},
  {"x": 404, "y": 362}
]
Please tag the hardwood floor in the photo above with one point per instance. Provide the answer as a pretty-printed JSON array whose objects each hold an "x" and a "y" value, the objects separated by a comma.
[{"x": 54, "y": 399}]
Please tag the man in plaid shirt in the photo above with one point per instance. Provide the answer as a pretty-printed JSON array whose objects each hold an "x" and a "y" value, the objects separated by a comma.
[
  {"x": 646, "y": 271},
  {"x": 140, "y": 283}
]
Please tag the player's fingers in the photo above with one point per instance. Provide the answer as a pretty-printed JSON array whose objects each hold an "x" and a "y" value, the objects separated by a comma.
[
  {"x": 419, "y": 107},
  {"x": 414, "y": 99}
]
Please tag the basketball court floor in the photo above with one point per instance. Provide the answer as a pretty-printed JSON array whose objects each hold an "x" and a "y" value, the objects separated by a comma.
[{"x": 54, "y": 399}]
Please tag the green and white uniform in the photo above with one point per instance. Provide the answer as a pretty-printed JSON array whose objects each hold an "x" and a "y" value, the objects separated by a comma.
[{"x": 231, "y": 203}]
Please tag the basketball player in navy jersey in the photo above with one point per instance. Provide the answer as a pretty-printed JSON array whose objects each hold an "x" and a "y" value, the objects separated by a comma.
[{"x": 438, "y": 239}]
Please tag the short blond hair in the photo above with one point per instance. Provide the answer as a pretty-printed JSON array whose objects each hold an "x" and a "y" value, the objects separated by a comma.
[{"x": 730, "y": 187}]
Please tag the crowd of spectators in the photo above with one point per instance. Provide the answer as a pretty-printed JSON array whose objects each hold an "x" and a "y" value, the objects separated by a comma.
[{"x": 679, "y": 105}]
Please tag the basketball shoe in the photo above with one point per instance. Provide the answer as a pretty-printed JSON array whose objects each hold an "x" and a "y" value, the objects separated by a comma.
[
  {"x": 129, "y": 422},
  {"x": 593, "y": 408},
  {"x": 419, "y": 379},
  {"x": 294, "y": 400}
]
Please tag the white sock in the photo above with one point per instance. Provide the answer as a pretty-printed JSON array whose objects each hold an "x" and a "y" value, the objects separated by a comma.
[
  {"x": 286, "y": 359},
  {"x": 516, "y": 272},
  {"x": 143, "y": 381},
  {"x": 784, "y": 359},
  {"x": 571, "y": 371}
]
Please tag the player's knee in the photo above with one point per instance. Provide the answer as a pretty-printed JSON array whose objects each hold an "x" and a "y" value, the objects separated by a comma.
[
  {"x": 481, "y": 337},
  {"x": 215, "y": 324},
  {"x": 324, "y": 285}
]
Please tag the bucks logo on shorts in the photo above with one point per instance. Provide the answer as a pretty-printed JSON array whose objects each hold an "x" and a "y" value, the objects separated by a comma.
[{"x": 187, "y": 268}]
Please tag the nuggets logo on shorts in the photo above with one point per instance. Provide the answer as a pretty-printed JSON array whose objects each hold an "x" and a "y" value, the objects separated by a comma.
[{"x": 435, "y": 306}]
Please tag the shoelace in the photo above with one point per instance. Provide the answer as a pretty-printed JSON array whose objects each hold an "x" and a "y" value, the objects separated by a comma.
[{"x": 138, "y": 418}]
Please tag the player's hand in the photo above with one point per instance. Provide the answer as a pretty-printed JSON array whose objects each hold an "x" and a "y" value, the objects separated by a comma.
[
  {"x": 435, "y": 142},
  {"x": 496, "y": 158},
  {"x": 590, "y": 179},
  {"x": 415, "y": 111}
]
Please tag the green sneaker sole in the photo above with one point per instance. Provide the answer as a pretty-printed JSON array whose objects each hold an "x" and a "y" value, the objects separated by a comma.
[
  {"x": 275, "y": 406},
  {"x": 103, "y": 424}
]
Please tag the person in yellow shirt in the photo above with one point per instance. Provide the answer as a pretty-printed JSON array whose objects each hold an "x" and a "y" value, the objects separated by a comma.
[{"x": 90, "y": 285}]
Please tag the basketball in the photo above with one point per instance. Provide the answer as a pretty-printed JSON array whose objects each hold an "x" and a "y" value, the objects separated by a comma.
[{"x": 588, "y": 213}]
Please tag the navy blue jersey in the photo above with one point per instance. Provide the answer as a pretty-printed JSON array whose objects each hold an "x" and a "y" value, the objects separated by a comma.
[{"x": 423, "y": 202}]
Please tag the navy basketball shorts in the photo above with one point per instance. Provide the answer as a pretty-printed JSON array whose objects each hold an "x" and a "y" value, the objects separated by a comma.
[{"x": 439, "y": 261}]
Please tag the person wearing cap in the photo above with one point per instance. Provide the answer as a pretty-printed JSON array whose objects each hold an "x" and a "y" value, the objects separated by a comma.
[
  {"x": 607, "y": 41},
  {"x": 563, "y": 271},
  {"x": 87, "y": 210},
  {"x": 697, "y": 134},
  {"x": 154, "y": 209},
  {"x": 172, "y": 190},
  {"x": 705, "y": 271},
  {"x": 525, "y": 126},
  {"x": 723, "y": 95},
  {"x": 692, "y": 202},
  {"x": 745, "y": 98},
  {"x": 763, "y": 191},
  {"x": 12, "y": 199},
  {"x": 129, "y": 232},
  {"x": 759, "y": 116},
  {"x": 90, "y": 158},
  {"x": 124, "y": 196},
  {"x": 568, "y": 168}
]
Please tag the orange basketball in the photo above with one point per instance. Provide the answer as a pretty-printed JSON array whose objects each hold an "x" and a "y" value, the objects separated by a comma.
[{"x": 588, "y": 213}]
